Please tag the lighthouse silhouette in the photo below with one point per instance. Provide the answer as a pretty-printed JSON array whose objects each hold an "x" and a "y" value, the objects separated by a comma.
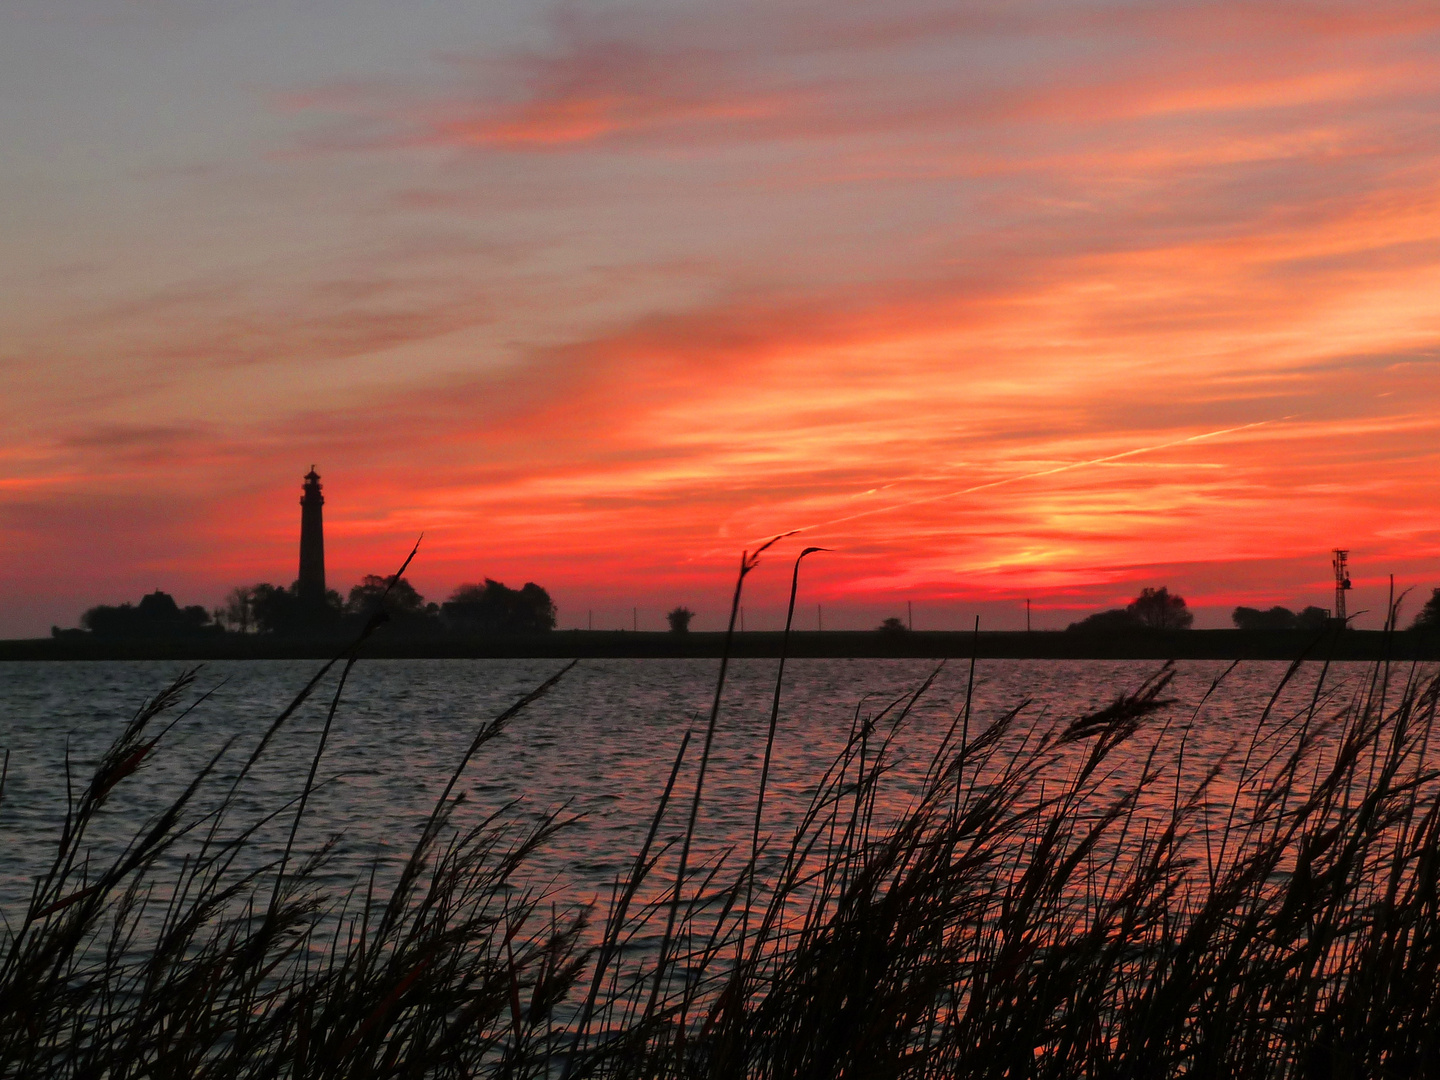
[{"x": 311, "y": 586}]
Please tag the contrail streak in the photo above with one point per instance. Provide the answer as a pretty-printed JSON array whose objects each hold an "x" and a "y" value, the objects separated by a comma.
[{"x": 1036, "y": 475}]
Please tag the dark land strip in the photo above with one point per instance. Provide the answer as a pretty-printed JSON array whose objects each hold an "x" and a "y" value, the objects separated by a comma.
[{"x": 838, "y": 644}]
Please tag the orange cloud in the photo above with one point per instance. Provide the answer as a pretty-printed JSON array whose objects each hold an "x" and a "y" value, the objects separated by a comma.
[{"x": 922, "y": 280}]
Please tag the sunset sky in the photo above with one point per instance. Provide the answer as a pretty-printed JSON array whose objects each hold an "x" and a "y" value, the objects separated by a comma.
[{"x": 996, "y": 299}]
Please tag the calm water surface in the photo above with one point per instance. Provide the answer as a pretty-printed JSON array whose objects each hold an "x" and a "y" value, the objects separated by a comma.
[{"x": 600, "y": 745}]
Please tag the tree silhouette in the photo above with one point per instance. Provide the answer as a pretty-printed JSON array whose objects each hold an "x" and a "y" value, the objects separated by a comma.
[
  {"x": 679, "y": 619},
  {"x": 237, "y": 609},
  {"x": 402, "y": 599},
  {"x": 493, "y": 608},
  {"x": 277, "y": 610},
  {"x": 1160, "y": 609},
  {"x": 1153, "y": 609},
  {"x": 1428, "y": 617},
  {"x": 893, "y": 627}
]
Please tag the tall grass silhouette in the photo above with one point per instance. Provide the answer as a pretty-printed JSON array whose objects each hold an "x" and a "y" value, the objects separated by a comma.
[{"x": 1019, "y": 912}]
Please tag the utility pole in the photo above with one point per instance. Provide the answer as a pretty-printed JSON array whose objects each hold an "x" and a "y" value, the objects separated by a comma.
[
  {"x": 910, "y": 614},
  {"x": 1027, "y": 615},
  {"x": 590, "y": 619},
  {"x": 819, "y": 622}
]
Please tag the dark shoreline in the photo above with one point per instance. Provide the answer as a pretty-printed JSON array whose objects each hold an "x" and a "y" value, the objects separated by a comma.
[{"x": 834, "y": 644}]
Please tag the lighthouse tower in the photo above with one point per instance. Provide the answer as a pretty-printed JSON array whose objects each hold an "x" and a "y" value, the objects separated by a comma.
[{"x": 312, "y": 542}]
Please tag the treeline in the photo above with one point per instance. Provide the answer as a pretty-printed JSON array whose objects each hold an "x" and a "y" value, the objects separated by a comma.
[
  {"x": 1314, "y": 618},
  {"x": 1280, "y": 618},
  {"x": 493, "y": 608},
  {"x": 1160, "y": 609},
  {"x": 488, "y": 608}
]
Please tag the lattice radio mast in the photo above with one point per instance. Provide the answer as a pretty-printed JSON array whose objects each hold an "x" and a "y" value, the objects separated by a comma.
[{"x": 1341, "y": 562}]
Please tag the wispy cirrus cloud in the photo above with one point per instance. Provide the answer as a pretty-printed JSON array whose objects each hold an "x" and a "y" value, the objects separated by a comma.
[{"x": 637, "y": 78}]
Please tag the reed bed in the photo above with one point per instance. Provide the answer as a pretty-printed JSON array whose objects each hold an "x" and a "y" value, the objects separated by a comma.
[{"x": 1016, "y": 914}]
